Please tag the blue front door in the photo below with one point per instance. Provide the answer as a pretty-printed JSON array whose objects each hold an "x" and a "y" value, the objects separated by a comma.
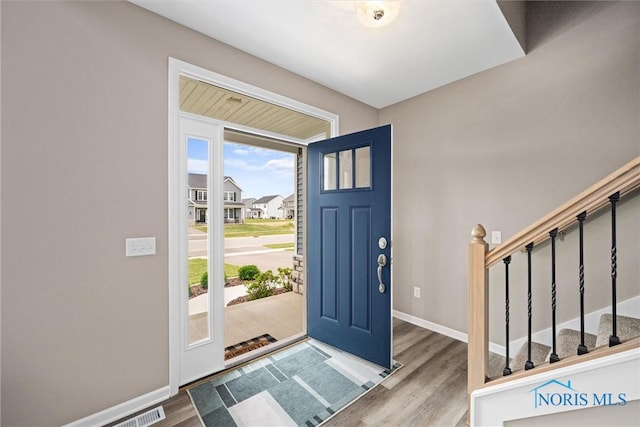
[{"x": 349, "y": 243}]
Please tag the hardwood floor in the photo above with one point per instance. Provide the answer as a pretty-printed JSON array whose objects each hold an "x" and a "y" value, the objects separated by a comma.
[{"x": 429, "y": 390}]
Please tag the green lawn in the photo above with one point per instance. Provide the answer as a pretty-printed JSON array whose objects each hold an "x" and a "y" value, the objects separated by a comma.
[
  {"x": 256, "y": 227},
  {"x": 288, "y": 246},
  {"x": 197, "y": 266}
]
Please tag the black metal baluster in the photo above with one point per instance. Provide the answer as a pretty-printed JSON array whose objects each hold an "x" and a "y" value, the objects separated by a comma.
[
  {"x": 529, "y": 364},
  {"x": 506, "y": 371},
  {"x": 613, "y": 338},
  {"x": 554, "y": 355},
  {"x": 582, "y": 349}
]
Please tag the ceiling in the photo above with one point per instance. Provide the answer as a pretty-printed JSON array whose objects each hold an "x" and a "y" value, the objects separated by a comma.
[
  {"x": 207, "y": 100},
  {"x": 428, "y": 45}
]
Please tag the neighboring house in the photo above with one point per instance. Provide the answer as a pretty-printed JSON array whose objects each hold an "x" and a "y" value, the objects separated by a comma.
[
  {"x": 248, "y": 206},
  {"x": 269, "y": 207},
  {"x": 198, "y": 196},
  {"x": 289, "y": 206},
  {"x": 233, "y": 206}
]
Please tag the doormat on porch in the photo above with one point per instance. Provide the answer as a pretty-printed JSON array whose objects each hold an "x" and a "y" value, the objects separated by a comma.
[
  {"x": 248, "y": 345},
  {"x": 303, "y": 385}
]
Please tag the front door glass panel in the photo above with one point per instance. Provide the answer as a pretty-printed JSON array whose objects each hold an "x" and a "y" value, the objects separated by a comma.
[
  {"x": 363, "y": 167},
  {"x": 330, "y": 164},
  {"x": 347, "y": 169}
]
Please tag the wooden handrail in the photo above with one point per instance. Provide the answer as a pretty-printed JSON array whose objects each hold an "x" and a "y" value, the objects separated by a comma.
[{"x": 625, "y": 179}]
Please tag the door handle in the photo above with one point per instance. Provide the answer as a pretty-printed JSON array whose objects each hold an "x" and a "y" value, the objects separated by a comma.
[{"x": 382, "y": 261}]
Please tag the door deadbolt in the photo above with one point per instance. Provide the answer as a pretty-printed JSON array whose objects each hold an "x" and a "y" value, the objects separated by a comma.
[{"x": 382, "y": 243}]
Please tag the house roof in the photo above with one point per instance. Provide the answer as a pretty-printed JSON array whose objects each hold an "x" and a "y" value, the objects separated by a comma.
[
  {"x": 291, "y": 198},
  {"x": 228, "y": 178},
  {"x": 199, "y": 180},
  {"x": 266, "y": 199},
  {"x": 248, "y": 202}
]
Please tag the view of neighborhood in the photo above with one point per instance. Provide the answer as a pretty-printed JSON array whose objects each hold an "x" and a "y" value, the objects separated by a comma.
[
  {"x": 236, "y": 209},
  {"x": 259, "y": 235}
]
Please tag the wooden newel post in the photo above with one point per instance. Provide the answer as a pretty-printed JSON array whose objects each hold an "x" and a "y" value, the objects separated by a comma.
[{"x": 478, "y": 312}]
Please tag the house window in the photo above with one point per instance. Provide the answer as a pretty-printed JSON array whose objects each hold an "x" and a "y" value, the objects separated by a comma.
[
  {"x": 230, "y": 196},
  {"x": 201, "y": 195}
]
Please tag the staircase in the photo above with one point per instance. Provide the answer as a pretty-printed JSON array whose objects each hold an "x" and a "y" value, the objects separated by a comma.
[
  {"x": 610, "y": 355},
  {"x": 568, "y": 341}
]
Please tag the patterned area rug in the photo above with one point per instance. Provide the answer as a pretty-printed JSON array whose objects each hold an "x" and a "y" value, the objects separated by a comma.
[
  {"x": 248, "y": 345},
  {"x": 303, "y": 385}
]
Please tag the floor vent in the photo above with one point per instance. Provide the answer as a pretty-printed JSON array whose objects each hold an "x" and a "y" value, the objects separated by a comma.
[{"x": 146, "y": 419}]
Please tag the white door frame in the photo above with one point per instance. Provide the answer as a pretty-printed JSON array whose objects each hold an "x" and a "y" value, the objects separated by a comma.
[
  {"x": 207, "y": 351},
  {"x": 177, "y": 233}
]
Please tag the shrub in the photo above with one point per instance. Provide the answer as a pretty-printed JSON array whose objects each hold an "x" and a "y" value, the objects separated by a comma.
[
  {"x": 248, "y": 272},
  {"x": 204, "y": 280},
  {"x": 263, "y": 285},
  {"x": 257, "y": 290},
  {"x": 286, "y": 277}
]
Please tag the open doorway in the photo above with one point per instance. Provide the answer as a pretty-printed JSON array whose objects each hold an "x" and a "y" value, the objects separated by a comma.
[
  {"x": 264, "y": 302},
  {"x": 263, "y": 293},
  {"x": 221, "y": 110}
]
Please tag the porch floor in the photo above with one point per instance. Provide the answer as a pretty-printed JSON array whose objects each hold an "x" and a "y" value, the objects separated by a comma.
[{"x": 280, "y": 316}]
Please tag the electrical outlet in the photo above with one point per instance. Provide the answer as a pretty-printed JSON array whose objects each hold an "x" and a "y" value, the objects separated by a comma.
[
  {"x": 140, "y": 246},
  {"x": 416, "y": 292}
]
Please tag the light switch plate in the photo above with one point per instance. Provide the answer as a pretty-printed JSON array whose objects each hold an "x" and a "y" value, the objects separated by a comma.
[
  {"x": 140, "y": 246},
  {"x": 496, "y": 237}
]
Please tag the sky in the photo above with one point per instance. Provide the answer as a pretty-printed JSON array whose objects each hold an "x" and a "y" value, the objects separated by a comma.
[{"x": 257, "y": 171}]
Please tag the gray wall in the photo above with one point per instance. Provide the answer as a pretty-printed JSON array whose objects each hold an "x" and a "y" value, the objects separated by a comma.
[
  {"x": 506, "y": 146},
  {"x": 84, "y": 114}
]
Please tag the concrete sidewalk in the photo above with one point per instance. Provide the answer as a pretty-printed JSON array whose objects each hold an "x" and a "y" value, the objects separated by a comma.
[{"x": 199, "y": 304}]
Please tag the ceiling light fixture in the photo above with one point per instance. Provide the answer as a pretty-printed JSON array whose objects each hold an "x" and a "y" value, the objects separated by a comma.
[{"x": 377, "y": 13}]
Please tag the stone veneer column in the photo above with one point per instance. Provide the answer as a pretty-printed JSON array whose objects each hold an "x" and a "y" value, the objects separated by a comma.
[{"x": 298, "y": 274}]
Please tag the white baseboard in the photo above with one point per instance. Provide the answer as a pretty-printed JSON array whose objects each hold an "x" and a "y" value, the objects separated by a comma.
[
  {"x": 122, "y": 410},
  {"x": 460, "y": 336},
  {"x": 630, "y": 307},
  {"x": 457, "y": 335}
]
